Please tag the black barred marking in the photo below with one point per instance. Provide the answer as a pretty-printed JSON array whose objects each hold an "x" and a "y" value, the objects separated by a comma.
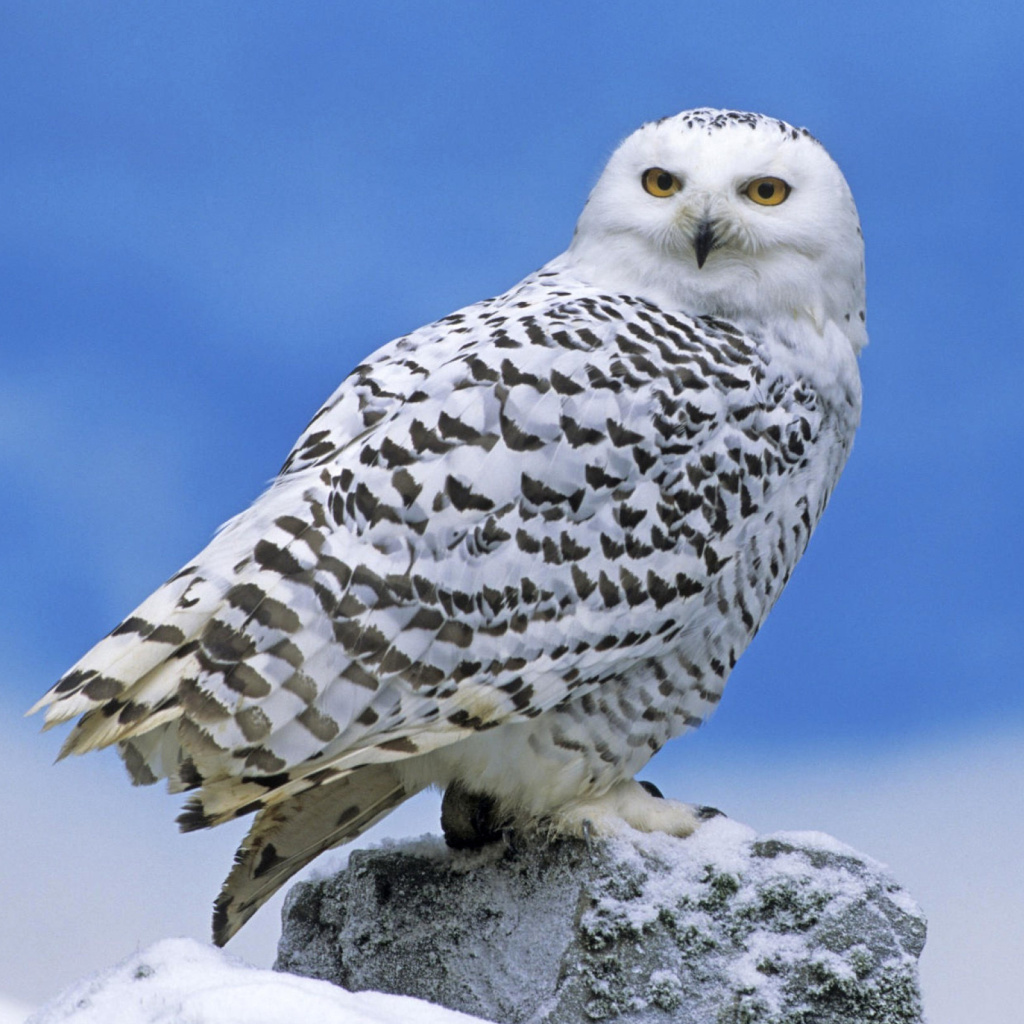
[
  {"x": 584, "y": 585},
  {"x": 577, "y": 435},
  {"x": 620, "y": 435},
  {"x": 425, "y": 590},
  {"x": 244, "y": 679},
  {"x": 609, "y": 591},
  {"x": 268, "y": 859},
  {"x": 513, "y": 376},
  {"x": 254, "y": 723},
  {"x": 570, "y": 550},
  {"x": 464, "y": 497},
  {"x": 598, "y": 478},
  {"x": 201, "y": 707},
  {"x": 221, "y": 643},
  {"x": 133, "y": 712},
  {"x": 457, "y": 633},
  {"x": 402, "y": 745},
  {"x": 631, "y": 585},
  {"x": 191, "y": 819},
  {"x": 426, "y": 618},
  {"x": 686, "y": 586},
  {"x": 271, "y": 557},
  {"x": 421, "y": 675},
  {"x": 538, "y": 493},
  {"x": 660, "y": 590},
  {"x": 292, "y": 524},
  {"x": 406, "y": 485},
  {"x": 492, "y": 535},
  {"x": 636, "y": 548},
  {"x": 501, "y": 339},
  {"x": 355, "y": 673},
  {"x": 552, "y": 553},
  {"x": 361, "y": 640},
  {"x": 165, "y": 634},
  {"x": 612, "y": 549},
  {"x": 263, "y": 761},
  {"x": 302, "y": 686},
  {"x": 321, "y": 725},
  {"x": 188, "y": 774},
  {"x": 517, "y": 439},
  {"x": 451, "y": 427},
  {"x": 347, "y": 816},
  {"x": 629, "y": 517},
  {"x": 713, "y": 561},
  {"x": 73, "y": 680},
  {"x": 565, "y": 385},
  {"x": 644, "y": 460},
  {"x": 399, "y": 586},
  {"x": 480, "y": 370},
  {"x": 265, "y": 610},
  {"x": 394, "y": 661},
  {"x": 288, "y": 652},
  {"x": 395, "y": 455},
  {"x": 424, "y": 439}
]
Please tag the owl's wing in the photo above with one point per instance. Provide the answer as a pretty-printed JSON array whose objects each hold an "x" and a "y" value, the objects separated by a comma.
[{"x": 482, "y": 522}]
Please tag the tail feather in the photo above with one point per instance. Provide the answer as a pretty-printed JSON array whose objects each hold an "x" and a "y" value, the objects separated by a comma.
[
  {"x": 286, "y": 836},
  {"x": 138, "y": 656}
]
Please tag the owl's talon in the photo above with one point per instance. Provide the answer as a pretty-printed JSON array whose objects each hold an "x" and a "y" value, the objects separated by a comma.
[
  {"x": 651, "y": 788},
  {"x": 707, "y": 813},
  {"x": 470, "y": 820}
]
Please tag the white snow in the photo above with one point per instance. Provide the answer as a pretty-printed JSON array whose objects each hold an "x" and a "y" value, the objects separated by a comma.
[
  {"x": 181, "y": 981},
  {"x": 12, "y": 1011},
  {"x": 838, "y": 876}
]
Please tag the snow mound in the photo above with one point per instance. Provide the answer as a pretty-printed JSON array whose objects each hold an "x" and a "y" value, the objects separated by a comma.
[
  {"x": 12, "y": 1011},
  {"x": 180, "y": 981}
]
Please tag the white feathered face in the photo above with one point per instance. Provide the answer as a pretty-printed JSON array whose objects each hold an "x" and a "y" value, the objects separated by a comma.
[{"x": 727, "y": 214}]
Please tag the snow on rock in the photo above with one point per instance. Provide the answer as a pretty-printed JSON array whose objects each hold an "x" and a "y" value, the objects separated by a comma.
[
  {"x": 180, "y": 980},
  {"x": 724, "y": 926},
  {"x": 12, "y": 1011}
]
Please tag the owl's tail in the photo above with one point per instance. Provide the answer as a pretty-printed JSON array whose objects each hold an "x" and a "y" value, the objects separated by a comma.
[
  {"x": 286, "y": 836},
  {"x": 127, "y": 685}
]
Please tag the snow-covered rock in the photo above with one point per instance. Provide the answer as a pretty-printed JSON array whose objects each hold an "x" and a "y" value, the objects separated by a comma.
[
  {"x": 724, "y": 926},
  {"x": 180, "y": 981}
]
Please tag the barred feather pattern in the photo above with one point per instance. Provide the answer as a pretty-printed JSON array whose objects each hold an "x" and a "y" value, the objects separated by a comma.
[{"x": 520, "y": 548}]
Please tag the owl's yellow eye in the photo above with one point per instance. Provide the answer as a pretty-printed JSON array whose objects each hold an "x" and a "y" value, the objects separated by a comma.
[
  {"x": 660, "y": 183},
  {"x": 767, "y": 191}
]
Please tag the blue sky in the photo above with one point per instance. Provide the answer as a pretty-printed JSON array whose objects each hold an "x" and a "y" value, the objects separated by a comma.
[{"x": 209, "y": 212}]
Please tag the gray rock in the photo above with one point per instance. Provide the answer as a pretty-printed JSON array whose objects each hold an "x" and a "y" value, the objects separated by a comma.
[{"x": 724, "y": 927}]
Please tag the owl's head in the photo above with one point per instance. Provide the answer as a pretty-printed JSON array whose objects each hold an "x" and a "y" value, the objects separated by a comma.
[{"x": 728, "y": 214}]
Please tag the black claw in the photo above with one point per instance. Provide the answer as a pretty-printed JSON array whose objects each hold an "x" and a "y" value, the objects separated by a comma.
[
  {"x": 707, "y": 813},
  {"x": 651, "y": 788},
  {"x": 470, "y": 820}
]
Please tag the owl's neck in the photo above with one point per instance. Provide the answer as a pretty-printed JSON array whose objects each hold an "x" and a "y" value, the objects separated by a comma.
[
  {"x": 773, "y": 290},
  {"x": 808, "y": 341}
]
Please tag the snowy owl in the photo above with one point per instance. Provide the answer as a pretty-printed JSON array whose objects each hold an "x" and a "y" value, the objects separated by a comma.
[{"x": 521, "y": 548}]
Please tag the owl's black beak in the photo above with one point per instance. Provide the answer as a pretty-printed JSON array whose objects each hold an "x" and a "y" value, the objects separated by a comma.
[{"x": 704, "y": 241}]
